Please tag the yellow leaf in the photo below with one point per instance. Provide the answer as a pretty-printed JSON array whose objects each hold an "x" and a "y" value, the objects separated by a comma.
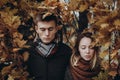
[
  {"x": 104, "y": 25},
  {"x": 46, "y": 14},
  {"x": 10, "y": 77},
  {"x": 107, "y": 44},
  {"x": 117, "y": 22},
  {"x": 12, "y": 21},
  {"x": 83, "y": 7},
  {"x": 103, "y": 54}
]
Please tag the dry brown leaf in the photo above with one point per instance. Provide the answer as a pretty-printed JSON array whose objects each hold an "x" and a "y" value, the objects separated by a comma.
[
  {"x": 2, "y": 2},
  {"x": 117, "y": 22},
  {"x": 10, "y": 77},
  {"x": 114, "y": 53},
  {"x": 83, "y": 7},
  {"x": 25, "y": 56},
  {"x": 23, "y": 4},
  {"x": 6, "y": 70},
  {"x": 107, "y": 44},
  {"x": 114, "y": 13},
  {"x": 117, "y": 42},
  {"x": 59, "y": 27},
  {"x": 105, "y": 65},
  {"x": 1, "y": 35},
  {"x": 46, "y": 14},
  {"x": 103, "y": 54},
  {"x": 112, "y": 73},
  {"x": 15, "y": 22},
  {"x": 17, "y": 35},
  {"x": 19, "y": 42},
  {"x": 16, "y": 49},
  {"x": 73, "y": 5},
  {"x": 12, "y": 21},
  {"x": 114, "y": 63},
  {"x": 104, "y": 25},
  {"x": 3, "y": 54},
  {"x": 50, "y": 2}
]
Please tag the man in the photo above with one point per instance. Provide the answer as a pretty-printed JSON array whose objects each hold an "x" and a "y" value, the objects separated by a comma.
[{"x": 48, "y": 58}]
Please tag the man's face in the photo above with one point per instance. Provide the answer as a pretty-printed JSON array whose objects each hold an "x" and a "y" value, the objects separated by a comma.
[{"x": 46, "y": 31}]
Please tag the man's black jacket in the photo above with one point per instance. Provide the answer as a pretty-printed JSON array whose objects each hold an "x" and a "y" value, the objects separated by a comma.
[{"x": 52, "y": 67}]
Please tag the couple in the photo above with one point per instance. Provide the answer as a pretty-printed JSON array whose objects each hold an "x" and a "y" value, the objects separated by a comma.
[{"x": 49, "y": 59}]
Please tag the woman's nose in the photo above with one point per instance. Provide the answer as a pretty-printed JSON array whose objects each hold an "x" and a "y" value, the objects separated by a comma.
[{"x": 87, "y": 50}]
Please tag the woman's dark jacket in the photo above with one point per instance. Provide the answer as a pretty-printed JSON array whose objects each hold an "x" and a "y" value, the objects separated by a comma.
[{"x": 52, "y": 67}]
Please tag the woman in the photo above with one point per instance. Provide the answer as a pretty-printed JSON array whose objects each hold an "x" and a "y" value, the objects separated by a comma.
[{"x": 84, "y": 61}]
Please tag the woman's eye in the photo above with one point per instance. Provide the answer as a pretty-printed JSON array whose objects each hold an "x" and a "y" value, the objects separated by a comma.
[
  {"x": 83, "y": 47},
  {"x": 91, "y": 47}
]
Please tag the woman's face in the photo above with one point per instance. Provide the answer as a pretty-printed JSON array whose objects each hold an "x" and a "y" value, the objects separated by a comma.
[{"x": 85, "y": 49}]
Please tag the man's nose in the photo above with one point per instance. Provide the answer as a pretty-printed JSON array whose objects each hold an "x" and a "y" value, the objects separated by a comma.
[{"x": 47, "y": 32}]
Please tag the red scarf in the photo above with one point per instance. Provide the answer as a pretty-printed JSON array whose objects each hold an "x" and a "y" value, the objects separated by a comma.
[{"x": 83, "y": 71}]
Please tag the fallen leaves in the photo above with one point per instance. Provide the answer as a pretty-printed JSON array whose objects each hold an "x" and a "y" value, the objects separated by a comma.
[
  {"x": 105, "y": 19},
  {"x": 10, "y": 19}
]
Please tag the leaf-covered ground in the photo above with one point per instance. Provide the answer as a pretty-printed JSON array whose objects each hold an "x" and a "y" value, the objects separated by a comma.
[{"x": 101, "y": 17}]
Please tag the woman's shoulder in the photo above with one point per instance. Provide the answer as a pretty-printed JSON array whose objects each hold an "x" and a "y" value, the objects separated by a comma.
[{"x": 68, "y": 74}]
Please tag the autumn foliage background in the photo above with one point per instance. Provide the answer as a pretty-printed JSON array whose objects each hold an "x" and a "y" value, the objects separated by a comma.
[{"x": 101, "y": 17}]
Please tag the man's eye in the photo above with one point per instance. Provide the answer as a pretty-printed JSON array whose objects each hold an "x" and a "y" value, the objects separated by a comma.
[
  {"x": 42, "y": 29},
  {"x": 50, "y": 29}
]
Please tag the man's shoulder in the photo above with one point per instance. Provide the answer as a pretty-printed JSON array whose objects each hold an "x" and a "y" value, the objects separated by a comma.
[
  {"x": 29, "y": 50},
  {"x": 64, "y": 46}
]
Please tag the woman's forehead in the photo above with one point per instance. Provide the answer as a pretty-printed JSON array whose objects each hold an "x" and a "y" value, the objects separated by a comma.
[{"x": 85, "y": 41}]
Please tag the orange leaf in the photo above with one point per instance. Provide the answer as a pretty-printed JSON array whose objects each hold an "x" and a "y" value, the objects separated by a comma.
[
  {"x": 25, "y": 56},
  {"x": 1, "y": 35},
  {"x": 19, "y": 42},
  {"x": 16, "y": 49},
  {"x": 114, "y": 53},
  {"x": 73, "y": 5},
  {"x": 112, "y": 73}
]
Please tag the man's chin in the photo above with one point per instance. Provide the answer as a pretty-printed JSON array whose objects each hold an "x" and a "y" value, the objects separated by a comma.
[{"x": 46, "y": 42}]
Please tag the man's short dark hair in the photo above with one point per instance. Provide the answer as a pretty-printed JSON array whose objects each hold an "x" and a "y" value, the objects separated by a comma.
[{"x": 45, "y": 17}]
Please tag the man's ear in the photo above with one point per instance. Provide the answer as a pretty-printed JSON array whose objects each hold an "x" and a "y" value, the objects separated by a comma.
[
  {"x": 36, "y": 28},
  {"x": 59, "y": 27},
  {"x": 56, "y": 28}
]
